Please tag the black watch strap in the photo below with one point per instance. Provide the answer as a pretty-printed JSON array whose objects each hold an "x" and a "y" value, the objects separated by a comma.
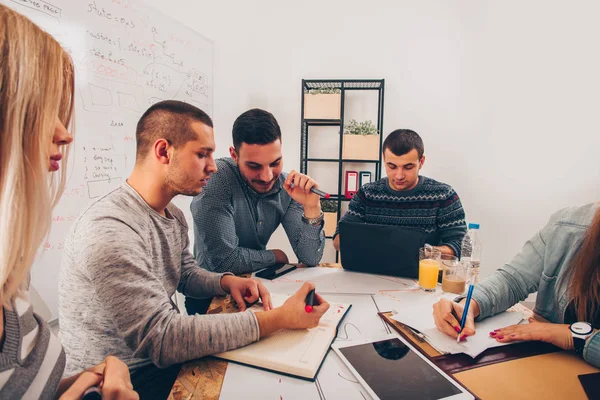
[{"x": 579, "y": 344}]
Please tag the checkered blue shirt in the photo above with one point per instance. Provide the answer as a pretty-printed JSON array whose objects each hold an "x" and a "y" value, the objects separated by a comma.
[{"x": 233, "y": 224}]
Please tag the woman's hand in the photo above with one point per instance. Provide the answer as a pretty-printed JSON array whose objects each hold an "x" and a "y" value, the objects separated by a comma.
[
  {"x": 111, "y": 376},
  {"x": 447, "y": 315},
  {"x": 556, "y": 334}
]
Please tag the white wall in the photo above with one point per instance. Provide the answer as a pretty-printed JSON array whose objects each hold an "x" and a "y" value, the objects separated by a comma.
[{"x": 505, "y": 94}]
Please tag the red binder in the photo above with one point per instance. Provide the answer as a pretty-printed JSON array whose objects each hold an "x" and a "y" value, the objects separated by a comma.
[{"x": 351, "y": 184}]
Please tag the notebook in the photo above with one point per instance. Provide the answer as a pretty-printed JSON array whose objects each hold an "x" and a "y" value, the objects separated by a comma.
[
  {"x": 381, "y": 249},
  {"x": 298, "y": 353}
]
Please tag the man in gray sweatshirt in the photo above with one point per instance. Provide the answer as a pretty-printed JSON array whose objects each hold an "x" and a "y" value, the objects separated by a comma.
[{"x": 127, "y": 254}]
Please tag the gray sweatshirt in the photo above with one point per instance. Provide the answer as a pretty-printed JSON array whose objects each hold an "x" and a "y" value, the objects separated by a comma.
[{"x": 121, "y": 265}]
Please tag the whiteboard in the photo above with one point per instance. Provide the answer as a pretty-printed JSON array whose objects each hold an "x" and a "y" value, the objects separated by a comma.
[{"x": 127, "y": 57}]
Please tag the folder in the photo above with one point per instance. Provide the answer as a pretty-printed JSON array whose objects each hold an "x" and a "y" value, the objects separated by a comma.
[
  {"x": 365, "y": 177},
  {"x": 351, "y": 184}
]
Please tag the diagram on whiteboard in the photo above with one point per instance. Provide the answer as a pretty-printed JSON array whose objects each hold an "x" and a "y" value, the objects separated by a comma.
[{"x": 127, "y": 57}]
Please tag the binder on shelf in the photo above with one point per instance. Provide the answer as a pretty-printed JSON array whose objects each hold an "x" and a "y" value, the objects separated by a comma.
[
  {"x": 351, "y": 184},
  {"x": 365, "y": 177}
]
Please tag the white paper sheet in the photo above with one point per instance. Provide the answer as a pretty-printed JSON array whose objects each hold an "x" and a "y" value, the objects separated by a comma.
[
  {"x": 478, "y": 343},
  {"x": 337, "y": 281},
  {"x": 243, "y": 382},
  {"x": 415, "y": 309},
  {"x": 362, "y": 322}
]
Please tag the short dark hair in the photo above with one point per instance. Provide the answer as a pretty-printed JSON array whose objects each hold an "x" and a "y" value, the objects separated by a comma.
[
  {"x": 169, "y": 119},
  {"x": 401, "y": 141},
  {"x": 255, "y": 126}
]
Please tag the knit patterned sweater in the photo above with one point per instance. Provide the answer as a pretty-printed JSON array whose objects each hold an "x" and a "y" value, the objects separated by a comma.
[{"x": 431, "y": 205}]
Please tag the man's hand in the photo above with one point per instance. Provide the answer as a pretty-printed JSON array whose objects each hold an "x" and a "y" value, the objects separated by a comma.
[
  {"x": 557, "y": 334},
  {"x": 298, "y": 187},
  {"x": 447, "y": 315},
  {"x": 280, "y": 256},
  {"x": 246, "y": 289},
  {"x": 292, "y": 314}
]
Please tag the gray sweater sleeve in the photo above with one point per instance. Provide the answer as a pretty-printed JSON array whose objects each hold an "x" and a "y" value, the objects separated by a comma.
[{"x": 125, "y": 278}]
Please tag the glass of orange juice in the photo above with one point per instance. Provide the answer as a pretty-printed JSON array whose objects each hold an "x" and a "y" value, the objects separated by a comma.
[{"x": 429, "y": 267}]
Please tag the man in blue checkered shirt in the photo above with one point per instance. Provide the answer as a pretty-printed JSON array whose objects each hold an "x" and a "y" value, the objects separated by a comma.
[{"x": 248, "y": 197}]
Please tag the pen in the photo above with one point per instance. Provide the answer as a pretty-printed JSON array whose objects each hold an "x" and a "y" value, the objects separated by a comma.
[
  {"x": 92, "y": 393},
  {"x": 465, "y": 311},
  {"x": 310, "y": 301},
  {"x": 320, "y": 192},
  {"x": 317, "y": 191}
]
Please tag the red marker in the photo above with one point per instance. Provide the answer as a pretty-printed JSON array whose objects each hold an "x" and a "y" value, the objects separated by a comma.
[
  {"x": 320, "y": 192},
  {"x": 310, "y": 301}
]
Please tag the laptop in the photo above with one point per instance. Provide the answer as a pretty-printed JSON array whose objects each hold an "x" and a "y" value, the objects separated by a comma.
[{"x": 381, "y": 249}]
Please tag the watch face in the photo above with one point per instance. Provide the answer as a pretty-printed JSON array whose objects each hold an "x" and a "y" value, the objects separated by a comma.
[{"x": 581, "y": 328}]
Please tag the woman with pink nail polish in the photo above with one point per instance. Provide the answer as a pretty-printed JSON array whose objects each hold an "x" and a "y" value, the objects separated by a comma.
[{"x": 562, "y": 263}]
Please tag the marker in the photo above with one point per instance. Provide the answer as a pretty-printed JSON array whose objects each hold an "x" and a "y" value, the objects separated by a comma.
[
  {"x": 320, "y": 192},
  {"x": 92, "y": 393},
  {"x": 248, "y": 293},
  {"x": 310, "y": 301},
  {"x": 316, "y": 191}
]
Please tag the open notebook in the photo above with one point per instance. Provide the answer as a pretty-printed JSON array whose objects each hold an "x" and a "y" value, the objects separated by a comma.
[{"x": 298, "y": 353}]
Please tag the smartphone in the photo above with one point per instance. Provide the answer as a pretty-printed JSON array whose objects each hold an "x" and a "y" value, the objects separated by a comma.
[{"x": 275, "y": 271}]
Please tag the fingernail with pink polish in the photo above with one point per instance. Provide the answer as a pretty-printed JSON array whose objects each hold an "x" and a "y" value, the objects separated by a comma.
[
  {"x": 463, "y": 338},
  {"x": 457, "y": 329},
  {"x": 493, "y": 333},
  {"x": 500, "y": 337}
]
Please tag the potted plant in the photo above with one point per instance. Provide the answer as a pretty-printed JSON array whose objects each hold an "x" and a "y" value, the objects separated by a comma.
[
  {"x": 361, "y": 141},
  {"x": 329, "y": 208},
  {"x": 322, "y": 103}
]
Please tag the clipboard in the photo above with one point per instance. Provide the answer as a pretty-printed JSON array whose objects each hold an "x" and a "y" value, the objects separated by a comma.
[{"x": 454, "y": 363}]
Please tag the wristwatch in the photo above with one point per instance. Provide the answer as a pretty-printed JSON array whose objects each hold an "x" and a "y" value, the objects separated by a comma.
[
  {"x": 314, "y": 221},
  {"x": 580, "y": 332}
]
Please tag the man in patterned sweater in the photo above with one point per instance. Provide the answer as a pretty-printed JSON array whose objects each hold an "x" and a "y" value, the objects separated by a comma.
[{"x": 406, "y": 199}]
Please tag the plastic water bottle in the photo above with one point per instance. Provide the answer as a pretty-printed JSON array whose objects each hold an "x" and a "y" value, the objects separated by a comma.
[{"x": 470, "y": 252}]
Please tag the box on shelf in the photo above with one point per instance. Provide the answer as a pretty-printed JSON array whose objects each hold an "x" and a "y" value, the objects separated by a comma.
[
  {"x": 360, "y": 147},
  {"x": 322, "y": 106}
]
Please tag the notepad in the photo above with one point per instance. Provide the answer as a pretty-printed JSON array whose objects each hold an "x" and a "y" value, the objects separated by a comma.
[{"x": 298, "y": 353}]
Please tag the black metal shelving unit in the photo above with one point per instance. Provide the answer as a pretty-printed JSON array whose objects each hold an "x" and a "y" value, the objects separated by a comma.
[{"x": 343, "y": 85}]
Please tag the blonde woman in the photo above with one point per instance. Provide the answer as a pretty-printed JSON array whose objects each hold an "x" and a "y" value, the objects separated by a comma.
[{"x": 36, "y": 103}]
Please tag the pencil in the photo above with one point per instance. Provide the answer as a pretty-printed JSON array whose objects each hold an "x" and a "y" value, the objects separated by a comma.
[{"x": 466, "y": 310}]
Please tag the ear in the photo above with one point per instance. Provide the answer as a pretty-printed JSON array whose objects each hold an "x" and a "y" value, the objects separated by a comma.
[
  {"x": 233, "y": 153},
  {"x": 162, "y": 151},
  {"x": 421, "y": 162}
]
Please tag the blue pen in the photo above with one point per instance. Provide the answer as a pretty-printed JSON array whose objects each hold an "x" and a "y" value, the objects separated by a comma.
[{"x": 466, "y": 310}]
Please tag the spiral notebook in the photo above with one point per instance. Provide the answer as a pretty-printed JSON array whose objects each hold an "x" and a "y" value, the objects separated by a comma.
[{"x": 297, "y": 353}]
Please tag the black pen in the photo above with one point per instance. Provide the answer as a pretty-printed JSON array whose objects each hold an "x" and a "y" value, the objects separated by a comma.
[
  {"x": 316, "y": 191},
  {"x": 93, "y": 393},
  {"x": 310, "y": 301},
  {"x": 320, "y": 192}
]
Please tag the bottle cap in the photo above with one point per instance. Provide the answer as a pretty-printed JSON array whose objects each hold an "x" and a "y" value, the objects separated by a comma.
[{"x": 473, "y": 226}]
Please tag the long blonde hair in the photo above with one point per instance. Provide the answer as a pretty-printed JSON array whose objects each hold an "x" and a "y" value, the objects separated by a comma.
[{"x": 36, "y": 87}]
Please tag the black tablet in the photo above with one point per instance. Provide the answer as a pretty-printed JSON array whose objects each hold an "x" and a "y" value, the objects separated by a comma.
[
  {"x": 393, "y": 369},
  {"x": 275, "y": 271}
]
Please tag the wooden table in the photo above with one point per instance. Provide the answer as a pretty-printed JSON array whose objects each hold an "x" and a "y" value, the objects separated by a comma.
[{"x": 548, "y": 376}]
